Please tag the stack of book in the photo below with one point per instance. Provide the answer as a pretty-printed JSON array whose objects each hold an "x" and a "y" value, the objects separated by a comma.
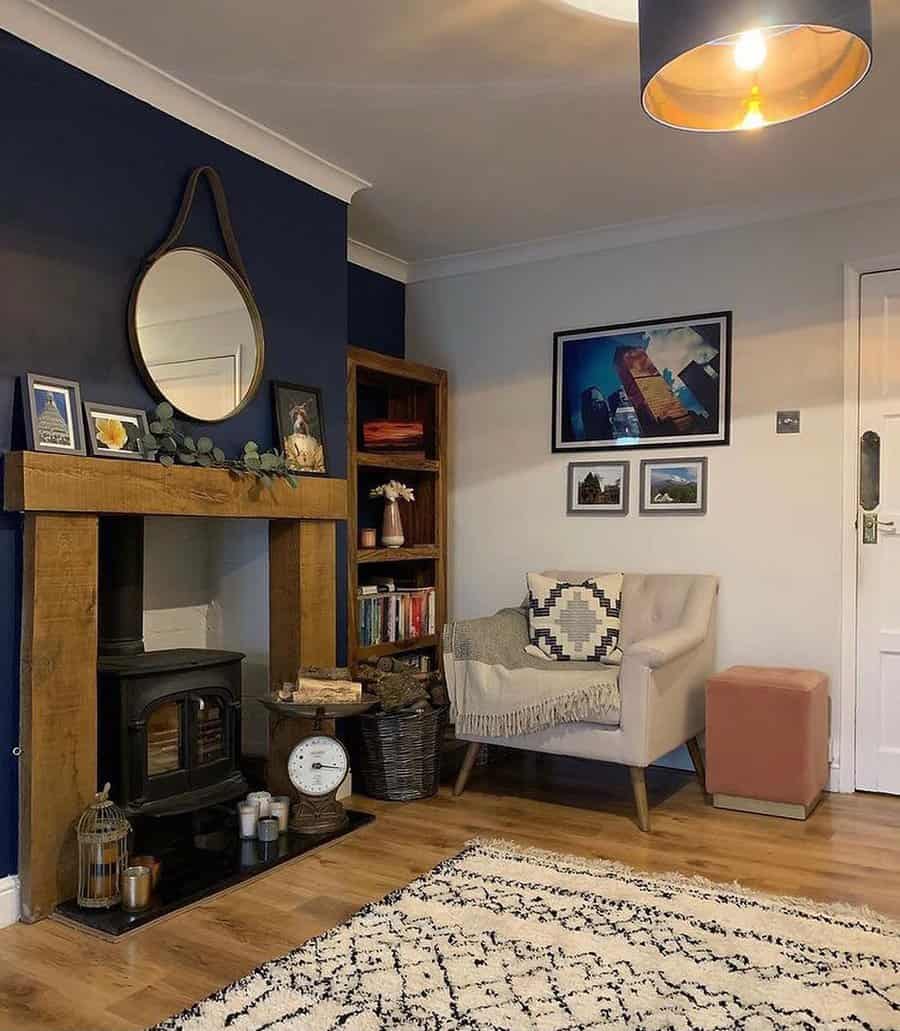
[{"x": 388, "y": 614}]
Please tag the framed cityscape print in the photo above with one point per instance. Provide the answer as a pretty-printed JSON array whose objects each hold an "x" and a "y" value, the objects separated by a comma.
[
  {"x": 676, "y": 486},
  {"x": 662, "y": 383},
  {"x": 53, "y": 415},
  {"x": 115, "y": 432},
  {"x": 598, "y": 488}
]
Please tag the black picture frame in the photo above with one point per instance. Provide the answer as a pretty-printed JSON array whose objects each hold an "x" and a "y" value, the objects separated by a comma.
[
  {"x": 130, "y": 417},
  {"x": 697, "y": 422},
  {"x": 575, "y": 508},
  {"x": 59, "y": 433},
  {"x": 282, "y": 404}
]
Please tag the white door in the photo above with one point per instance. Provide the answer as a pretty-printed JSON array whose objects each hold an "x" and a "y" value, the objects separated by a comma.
[{"x": 878, "y": 636}]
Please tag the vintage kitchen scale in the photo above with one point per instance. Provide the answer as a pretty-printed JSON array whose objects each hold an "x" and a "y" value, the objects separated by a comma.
[{"x": 318, "y": 764}]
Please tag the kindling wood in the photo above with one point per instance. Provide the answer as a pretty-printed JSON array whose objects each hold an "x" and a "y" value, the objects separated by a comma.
[{"x": 63, "y": 498}]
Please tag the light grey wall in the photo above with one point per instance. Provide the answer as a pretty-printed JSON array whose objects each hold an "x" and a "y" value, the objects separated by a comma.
[{"x": 773, "y": 531}]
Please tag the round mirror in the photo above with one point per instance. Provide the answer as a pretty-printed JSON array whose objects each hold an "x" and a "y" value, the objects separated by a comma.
[{"x": 196, "y": 334}]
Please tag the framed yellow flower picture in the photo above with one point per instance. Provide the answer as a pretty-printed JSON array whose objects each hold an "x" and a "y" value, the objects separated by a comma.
[{"x": 115, "y": 432}]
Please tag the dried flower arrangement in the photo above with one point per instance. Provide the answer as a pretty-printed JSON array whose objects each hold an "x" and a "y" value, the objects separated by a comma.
[{"x": 393, "y": 490}]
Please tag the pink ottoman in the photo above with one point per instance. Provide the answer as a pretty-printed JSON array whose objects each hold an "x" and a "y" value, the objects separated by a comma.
[{"x": 767, "y": 740}]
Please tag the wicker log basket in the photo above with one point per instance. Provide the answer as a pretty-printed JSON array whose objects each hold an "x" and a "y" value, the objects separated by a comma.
[{"x": 401, "y": 753}]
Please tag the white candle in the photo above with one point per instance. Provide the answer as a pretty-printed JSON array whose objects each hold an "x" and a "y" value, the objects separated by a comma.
[
  {"x": 281, "y": 811},
  {"x": 247, "y": 815},
  {"x": 262, "y": 799}
]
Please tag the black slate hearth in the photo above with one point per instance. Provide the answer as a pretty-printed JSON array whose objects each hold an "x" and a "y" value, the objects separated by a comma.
[{"x": 199, "y": 863}]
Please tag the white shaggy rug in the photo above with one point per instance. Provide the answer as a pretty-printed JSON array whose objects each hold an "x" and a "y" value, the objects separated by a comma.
[{"x": 500, "y": 937}]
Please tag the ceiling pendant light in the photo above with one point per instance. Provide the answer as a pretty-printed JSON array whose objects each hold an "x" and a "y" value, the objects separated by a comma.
[{"x": 721, "y": 65}]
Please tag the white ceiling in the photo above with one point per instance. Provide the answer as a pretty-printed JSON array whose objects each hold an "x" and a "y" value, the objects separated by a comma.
[{"x": 483, "y": 123}]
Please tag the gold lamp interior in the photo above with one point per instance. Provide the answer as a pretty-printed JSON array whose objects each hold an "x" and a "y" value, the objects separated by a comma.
[{"x": 757, "y": 78}]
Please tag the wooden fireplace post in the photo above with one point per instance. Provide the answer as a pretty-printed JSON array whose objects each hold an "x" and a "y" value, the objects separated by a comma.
[
  {"x": 58, "y": 733},
  {"x": 302, "y": 597}
]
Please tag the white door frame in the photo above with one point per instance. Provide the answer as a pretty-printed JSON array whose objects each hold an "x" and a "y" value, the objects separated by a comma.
[{"x": 844, "y": 748}]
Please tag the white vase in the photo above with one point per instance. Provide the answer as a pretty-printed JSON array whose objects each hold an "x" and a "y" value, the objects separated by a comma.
[{"x": 392, "y": 527}]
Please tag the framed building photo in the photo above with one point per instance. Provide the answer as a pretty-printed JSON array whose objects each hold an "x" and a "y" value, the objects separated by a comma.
[
  {"x": 598, "y": 488},
  {"x": 675, "y": 486},
  {"x": 115, "y": 432},
  {"x": 53, "y": 415},
  {"x": 301, "y": 427},
  {"x": 664, "y": 383}
]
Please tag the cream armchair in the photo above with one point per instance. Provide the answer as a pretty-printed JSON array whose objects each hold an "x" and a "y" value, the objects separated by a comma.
[{"x": 668, "y": 640}]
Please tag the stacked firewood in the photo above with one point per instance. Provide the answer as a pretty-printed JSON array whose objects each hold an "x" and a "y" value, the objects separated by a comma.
[
  {"x": 398, "y": 687},
  {"x": 392, "y": 682}
]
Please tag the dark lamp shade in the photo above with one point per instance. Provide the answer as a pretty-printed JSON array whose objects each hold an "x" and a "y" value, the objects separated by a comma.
[{"x": 721, "y": 65}]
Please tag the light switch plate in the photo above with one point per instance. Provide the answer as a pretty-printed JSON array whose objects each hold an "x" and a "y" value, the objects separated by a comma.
[{"x": 787, "y": 422}]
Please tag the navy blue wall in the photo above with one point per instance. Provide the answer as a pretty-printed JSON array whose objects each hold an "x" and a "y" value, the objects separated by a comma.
[
  {"x": 90, "y": 180},
  {"x": 377, "y": 312}
]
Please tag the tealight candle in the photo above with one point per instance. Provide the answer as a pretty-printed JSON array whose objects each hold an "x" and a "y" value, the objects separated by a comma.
[
  {"x": 281, "y": 811},
  {"x": 267, "y": 829}
]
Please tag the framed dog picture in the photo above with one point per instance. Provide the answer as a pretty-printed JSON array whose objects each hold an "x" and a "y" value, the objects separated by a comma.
[
  {"x": 115, "y": 432},
  {"x": 301, "y": 427},
  {"x": 53, "y": 415},
  {"x": 663, "y": 383}
]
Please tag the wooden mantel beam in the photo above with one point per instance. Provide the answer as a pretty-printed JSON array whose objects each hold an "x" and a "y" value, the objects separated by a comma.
[{"x": 39, "y": 482}]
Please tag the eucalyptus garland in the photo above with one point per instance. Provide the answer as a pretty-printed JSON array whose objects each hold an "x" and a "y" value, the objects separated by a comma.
[{"x": 168, "y": 445}]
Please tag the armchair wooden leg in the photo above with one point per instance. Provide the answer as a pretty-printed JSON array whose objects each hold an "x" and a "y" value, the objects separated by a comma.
[
  {"x": 697, "y": 759},
  {"x": 466, "y": 768},
  {"x": 639, "y": 787}
]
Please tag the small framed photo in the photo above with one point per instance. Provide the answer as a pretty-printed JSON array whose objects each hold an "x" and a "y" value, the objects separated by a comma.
[
  {"x": 598, "y": 488},
  {"x": 301, "y": 427},
  {"x": 115, "y": 432},
  {"x": 53, "y": 419},
  {"x": 676, "y": 486}
]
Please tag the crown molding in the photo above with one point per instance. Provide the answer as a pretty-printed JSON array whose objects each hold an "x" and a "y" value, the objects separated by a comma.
[
  {"x": 629, "y": 234},
  {"x": 105, "y": 60},
  {"x": 377, "y": 261}
]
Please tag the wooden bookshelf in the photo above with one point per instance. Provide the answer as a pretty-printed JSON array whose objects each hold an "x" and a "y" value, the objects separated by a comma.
[{"x": 380, "y": 387}]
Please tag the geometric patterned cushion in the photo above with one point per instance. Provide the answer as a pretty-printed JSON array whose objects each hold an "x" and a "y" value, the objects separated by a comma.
[{"x": 575, "y": 622}]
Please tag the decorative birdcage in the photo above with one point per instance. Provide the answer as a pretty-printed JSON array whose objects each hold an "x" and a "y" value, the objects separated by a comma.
[{"x": 102, "y": 831}]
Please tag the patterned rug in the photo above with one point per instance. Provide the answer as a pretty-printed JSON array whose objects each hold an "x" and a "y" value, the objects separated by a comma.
[{"x": 500, "y": 937}]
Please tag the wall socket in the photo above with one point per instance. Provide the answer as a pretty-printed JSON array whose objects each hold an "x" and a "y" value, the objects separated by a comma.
[{"x": 787, "y": 422}]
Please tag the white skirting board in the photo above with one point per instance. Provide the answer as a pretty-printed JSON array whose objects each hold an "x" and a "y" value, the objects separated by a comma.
[{"x": 9, "y": 900}]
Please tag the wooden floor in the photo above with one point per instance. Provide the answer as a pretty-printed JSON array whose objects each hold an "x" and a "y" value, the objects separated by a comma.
[{"x": 52, "y": 976}]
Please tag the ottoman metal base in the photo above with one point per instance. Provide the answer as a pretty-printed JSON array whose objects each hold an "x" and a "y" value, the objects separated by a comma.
[{"x": 787, "y": 810}]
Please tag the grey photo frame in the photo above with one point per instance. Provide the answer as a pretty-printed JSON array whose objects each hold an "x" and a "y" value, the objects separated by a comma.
[
  {"x": 53, "y": 415},
  {"x": 650, "y": 506},
  {"x": 130, "y": 417},
  {"x": 575, "y": 507}
]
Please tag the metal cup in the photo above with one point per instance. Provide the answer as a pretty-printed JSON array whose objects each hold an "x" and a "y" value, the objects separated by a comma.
[
  {"x": 267, "y": 829},
  {"x": 136, "y": 885}
]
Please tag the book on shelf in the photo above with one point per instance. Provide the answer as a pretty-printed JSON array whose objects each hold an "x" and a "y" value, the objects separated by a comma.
[{"x": 398, "y": 615}]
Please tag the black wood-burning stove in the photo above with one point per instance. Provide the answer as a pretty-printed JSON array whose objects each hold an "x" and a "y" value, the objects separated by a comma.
[{"x": 169, "y": 735}]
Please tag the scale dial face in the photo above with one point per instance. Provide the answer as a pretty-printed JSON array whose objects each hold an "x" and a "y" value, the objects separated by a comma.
[{"x": 317, "y": 765}]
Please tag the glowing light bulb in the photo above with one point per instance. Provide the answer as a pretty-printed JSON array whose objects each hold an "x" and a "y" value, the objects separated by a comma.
[
  {"x": 750, "y": 51},
  {"x": 754, "y": 118}
]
